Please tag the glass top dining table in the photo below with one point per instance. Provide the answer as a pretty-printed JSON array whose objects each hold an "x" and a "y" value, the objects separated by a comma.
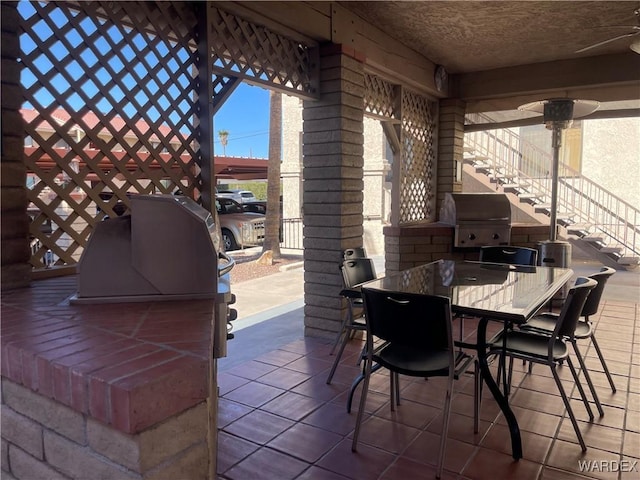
[
  {"x": 503, "y": 292},
  {"x": 489, "y": 291}
]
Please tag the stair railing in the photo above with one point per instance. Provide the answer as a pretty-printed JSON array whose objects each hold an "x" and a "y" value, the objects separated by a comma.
[{"x": 519, "y": 161}]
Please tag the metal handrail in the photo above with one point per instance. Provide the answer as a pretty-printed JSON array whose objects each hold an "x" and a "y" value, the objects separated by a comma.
[{"x": 518, "y": 161}]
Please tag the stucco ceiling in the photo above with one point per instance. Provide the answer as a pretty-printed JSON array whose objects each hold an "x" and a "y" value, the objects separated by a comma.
[{"x": 470, "y": 36}]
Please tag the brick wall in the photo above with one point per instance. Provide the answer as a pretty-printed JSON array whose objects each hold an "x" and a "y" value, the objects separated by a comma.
[
  {"x": 14, "y": 223},
  {"x": 414, "y": 245},
  {"x": 44, "y": 439},
  {"x": 333, "y": 184}
]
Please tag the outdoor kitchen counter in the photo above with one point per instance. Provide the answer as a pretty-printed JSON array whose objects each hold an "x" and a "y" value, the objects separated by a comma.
[
  {"x": 127, "y": 365},
  {"x": 413, "y": 245}
]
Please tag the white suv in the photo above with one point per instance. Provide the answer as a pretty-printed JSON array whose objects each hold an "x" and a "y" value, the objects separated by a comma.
[
  {"x": 239, "y": 228},
  {"x": 240, "y": 196}
]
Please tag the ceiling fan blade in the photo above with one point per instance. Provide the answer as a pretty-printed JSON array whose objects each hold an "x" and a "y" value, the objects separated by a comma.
[{"x": 599, "y": 44}]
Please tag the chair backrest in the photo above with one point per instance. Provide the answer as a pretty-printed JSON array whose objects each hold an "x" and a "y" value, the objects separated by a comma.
[
  {"x": 357, "y": 271},
  {"x": 509, "y": 254},
  {"x": 572, "y": 307},
  {"x": 593, "y": 300},
  {"x": 357, "y": 252},
  {"x": 413, "y": 320}
]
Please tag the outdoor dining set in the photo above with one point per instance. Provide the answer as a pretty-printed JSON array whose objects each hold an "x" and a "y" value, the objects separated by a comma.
[{"x": 408, "y": 317}]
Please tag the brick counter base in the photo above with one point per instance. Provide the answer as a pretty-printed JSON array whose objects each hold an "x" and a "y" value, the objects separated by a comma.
[
  {"x": 410, "y": 246},
  {"x": 101, "y": 389},
  {"x": 43, "y": 439}
]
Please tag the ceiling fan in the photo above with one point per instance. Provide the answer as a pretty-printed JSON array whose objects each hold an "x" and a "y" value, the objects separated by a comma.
[{"x": 635, "y": 45}]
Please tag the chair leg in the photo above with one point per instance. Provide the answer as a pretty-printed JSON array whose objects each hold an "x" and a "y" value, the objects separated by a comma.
[
  {"x": 507, "y": 386},
  {"x": 587, "y": 377},
  {"x": 348, "y": 319},
  {"x": 477, "y": 393},
  {"x": 604, "y": 364},
  {"x": 583, "y": 395},
  {"x": 392, "y": 390},
  {"x": 363, "y": 402},
  {"x": 445, "y": 427},
  {"x": 568, "y": 407},
  {"x": 336, "y": 361}
]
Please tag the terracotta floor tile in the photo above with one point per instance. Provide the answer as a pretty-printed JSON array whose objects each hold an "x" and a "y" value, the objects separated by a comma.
[
  {"x": 367, "y": 463},
  {"x": 460, "y": 428},
  {"x": 410, "y": 413},
  {"x": 305, "y": 442},
  {"x": 278, "y": 357},
  {"x": 490, "y": 465},
  {"x": 534, "y": 421},
  {"x": 631, "y": 445},
  {"x": 426, "y": 447},
  {"x": 534, "y": 447},
  {"x": 284, "y": 378},
  {"x": 550, "y": 473},
  {"x": 316, "y": 387},
  {"x": 594, "y": 435},
  {"x": 332, "y": 417},
  {"x": 386, "y": 435},
  {"x": 251, "y": 370},
  {"x": 229, "y": 411},
  {"x": 227, "y": 383},
  {"x": 538, "y": 401},
  {"x": 309, "y": 365},
  {"x": 405, "y": 469},
  {"x": 267, "y": 464},
  {"x": 292, "y": 406},
  {"x": 254, "y": 394},
  {"x": 317, "y": 473},
  {"x": 567, "y": 456},
  {"x": 259, "y": 427},
  {"x": 231, "y": 450}
]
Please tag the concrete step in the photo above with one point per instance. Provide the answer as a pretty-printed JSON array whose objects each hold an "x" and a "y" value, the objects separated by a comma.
[
  {"x": 530, "y": 198},
  {"x": 579, "y": 230},
  {"x": 629, "y": 261}
]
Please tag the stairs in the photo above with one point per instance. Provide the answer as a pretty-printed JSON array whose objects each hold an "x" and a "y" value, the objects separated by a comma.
[{"x": 593, "y": 222}]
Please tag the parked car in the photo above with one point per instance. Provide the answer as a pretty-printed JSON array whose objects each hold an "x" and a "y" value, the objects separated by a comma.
[
  {"x": 255, "y": 207},
  {"x": 239, "y": 228},
  {"x": 240, "y": 196}
]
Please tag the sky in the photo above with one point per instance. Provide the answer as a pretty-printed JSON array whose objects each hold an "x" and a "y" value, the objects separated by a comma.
[{"x": 245, "y": 115}]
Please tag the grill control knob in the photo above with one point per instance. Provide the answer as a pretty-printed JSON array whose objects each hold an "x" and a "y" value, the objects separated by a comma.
[
  {"x": 472, "y": 236},
  {"x": 496, "y": 236}
]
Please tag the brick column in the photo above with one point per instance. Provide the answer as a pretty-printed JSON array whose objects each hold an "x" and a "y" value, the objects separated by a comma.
[
  {"x": 333, "y": 184},
  {"x": 14, "y": 225},
  {"x": 450, "y": 148}
]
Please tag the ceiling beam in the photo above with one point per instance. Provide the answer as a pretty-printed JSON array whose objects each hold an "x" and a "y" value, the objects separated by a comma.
[{"x": 603, "y": 78}]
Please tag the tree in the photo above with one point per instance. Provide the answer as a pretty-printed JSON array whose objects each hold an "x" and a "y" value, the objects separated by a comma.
[
  {"x": 224, "y": 139},
  {"x": 272, "y": 220}
]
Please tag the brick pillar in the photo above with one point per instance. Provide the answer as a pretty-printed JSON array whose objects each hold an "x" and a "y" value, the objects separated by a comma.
[
  {"x": 450, "y": 148},
  {"x": 333, "y": 184},
  {"x": 14, "y": 223}
]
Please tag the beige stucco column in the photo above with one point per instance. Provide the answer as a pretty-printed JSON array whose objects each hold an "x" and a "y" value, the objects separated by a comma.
[{"x": 333, "y": 184}]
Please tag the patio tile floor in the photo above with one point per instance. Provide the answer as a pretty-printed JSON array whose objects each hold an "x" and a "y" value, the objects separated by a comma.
[{"x": 280, "y": 420}]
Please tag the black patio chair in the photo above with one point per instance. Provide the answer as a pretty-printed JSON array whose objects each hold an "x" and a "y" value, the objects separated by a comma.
[
  {"x": 354, "y": 272},
  {"x": 550, "y": 350},
  {"x": 356, "y": 252},
  {"x": 545, "y": 323},
  {"x": 414, "y": 334}
]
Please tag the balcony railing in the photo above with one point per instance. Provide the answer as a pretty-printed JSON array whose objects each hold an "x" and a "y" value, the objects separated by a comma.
[{"x": 513, "y": 161}]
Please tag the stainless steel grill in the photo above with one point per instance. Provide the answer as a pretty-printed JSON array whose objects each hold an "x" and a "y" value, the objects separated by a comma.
[{"x": 478, "y": 218}]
